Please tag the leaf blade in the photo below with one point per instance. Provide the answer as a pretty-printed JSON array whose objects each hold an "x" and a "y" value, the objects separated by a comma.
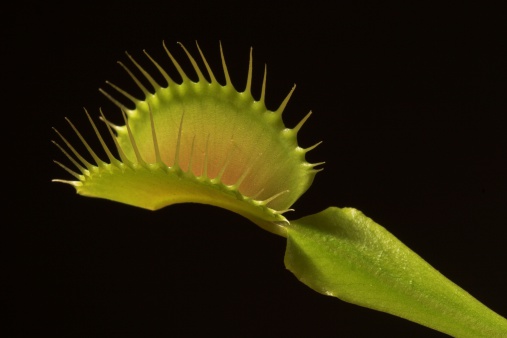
[{"x": 343, "y": 253}]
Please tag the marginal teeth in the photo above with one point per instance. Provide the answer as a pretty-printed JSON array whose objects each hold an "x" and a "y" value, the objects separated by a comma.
[
  {"x": 301, "y": 123},
  {"x": 121, "y": 91},
  {"x": 313, "y": 147},
  {"x": 193, "y": 141},
  {"x": 280, "y": 212},
  {"x": 136, "y": 80}
]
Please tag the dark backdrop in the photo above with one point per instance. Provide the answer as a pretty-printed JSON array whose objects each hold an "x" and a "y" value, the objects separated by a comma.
[{"x": 410, "y": 102}]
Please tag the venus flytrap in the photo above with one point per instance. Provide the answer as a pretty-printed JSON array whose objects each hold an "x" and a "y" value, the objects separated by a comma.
[{"x": 207, "y": 142}]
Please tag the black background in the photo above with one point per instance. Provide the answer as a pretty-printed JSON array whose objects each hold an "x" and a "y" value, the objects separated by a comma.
[{"x": 410, "y": 101}]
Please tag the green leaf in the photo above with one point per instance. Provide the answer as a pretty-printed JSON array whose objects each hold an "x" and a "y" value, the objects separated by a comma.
[
  {"x": 343, "y": 253},
  {"x": 199, "y": 142}
]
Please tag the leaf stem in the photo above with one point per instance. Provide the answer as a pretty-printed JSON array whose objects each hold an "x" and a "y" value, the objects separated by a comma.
[{"x": 343, "y": 253}]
